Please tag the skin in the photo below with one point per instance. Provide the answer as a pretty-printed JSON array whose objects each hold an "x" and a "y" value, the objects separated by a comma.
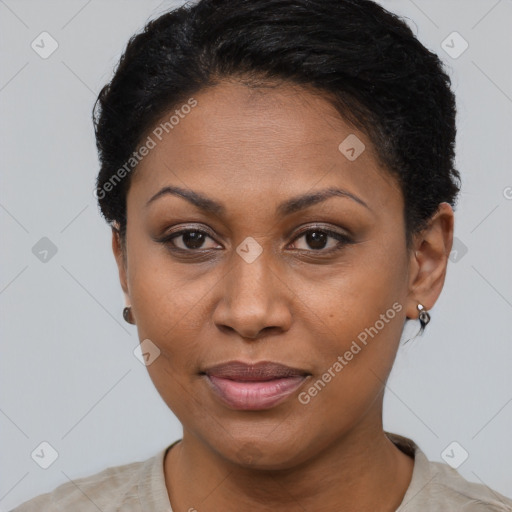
[{"x": 251, "y": 150}]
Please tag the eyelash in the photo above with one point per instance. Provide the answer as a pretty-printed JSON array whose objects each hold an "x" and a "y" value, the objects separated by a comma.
[{"x": 342, "y": 240}]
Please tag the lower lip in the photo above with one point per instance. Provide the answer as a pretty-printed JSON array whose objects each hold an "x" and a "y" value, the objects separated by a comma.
[{"x": 252, "y": 395}]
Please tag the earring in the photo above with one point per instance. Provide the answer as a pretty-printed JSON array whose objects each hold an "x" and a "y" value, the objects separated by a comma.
[
  {"x": 127, "y": 315},
  {"x": 424, "y": 316}
]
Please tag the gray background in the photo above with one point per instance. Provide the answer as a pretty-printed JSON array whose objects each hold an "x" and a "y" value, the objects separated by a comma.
[{"x": 68, "y": 373}]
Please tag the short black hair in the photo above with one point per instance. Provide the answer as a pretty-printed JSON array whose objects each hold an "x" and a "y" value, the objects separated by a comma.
[{"x": 363, "y": 59}]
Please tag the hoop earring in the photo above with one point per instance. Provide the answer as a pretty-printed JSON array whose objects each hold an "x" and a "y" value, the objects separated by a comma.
[{"x": 127, "y": 315}]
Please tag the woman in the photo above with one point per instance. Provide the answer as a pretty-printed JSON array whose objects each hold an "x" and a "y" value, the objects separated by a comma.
[{"x": 279, "y": 177}]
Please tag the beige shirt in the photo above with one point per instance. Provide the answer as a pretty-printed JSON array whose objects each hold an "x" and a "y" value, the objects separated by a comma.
[{"x": 140, "y": 487}]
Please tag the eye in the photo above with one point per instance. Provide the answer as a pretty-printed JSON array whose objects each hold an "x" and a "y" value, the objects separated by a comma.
[
  {"x": 317, "y": 239},
  {"x": 187, "y": 240}
]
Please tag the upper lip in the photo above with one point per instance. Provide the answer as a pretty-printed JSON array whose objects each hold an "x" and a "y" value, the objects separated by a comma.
[{"x": 260, "y": 371}]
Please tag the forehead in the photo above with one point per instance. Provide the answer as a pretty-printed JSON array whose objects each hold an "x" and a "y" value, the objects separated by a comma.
[{"x": 238, "y": 140}]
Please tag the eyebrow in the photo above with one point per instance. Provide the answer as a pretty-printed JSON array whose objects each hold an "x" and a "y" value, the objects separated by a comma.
[{"x": 286, "y": 208}]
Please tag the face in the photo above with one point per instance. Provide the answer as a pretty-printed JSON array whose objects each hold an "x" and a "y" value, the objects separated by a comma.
[{"x": 318, "y": 285}]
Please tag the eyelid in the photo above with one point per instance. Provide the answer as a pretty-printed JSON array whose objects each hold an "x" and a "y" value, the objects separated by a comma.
[
  {"x": 184, "y": 228},
  {"x": 169, "y": 237},
  {"x": 320, "y": 227},
  {"x": 304, "y": 228},
  {"x": 342, "y": 238}
]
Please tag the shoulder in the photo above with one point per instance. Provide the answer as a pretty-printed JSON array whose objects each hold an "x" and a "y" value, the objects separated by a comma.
[
  {"x": 115, "y": 488},
  {"x": 437, "y": 486},
  {"x": 450, "y": 488}
]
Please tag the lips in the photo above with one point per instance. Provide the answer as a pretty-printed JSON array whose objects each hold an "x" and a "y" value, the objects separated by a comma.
[{"x": 254, "y": 386}]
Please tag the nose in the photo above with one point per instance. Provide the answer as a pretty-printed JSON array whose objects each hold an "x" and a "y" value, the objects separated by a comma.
[{"x": 256, "y": 299}]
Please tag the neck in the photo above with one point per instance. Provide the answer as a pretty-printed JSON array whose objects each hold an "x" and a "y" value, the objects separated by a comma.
[{"x": 362, "y": 471}]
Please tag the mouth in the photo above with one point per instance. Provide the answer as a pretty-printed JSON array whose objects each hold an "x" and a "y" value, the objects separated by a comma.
[{"x": 256, "y": 386}]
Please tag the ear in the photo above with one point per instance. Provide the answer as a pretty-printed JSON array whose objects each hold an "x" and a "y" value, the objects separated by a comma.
[
  {"x": 120, "y": 256},
  {"x": 429, "y": 260}
]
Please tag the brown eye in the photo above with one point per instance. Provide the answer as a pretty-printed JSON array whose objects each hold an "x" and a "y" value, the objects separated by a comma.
[
  {"x": 191, "y": 239},
  {"x": 317, "y": 239}
]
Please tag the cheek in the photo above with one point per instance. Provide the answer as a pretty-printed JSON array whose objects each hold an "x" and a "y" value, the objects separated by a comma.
[
  {"x": 360, "y": 313},
  {"x": 352, "y": 296},
  {"x": 170, "y": 311},
  {"x": 163, "y": 296},
  {"x": 352, "y": 366}
]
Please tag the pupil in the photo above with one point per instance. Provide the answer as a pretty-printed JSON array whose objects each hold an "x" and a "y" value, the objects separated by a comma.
[
  {"x": 193, "y": 239},
  {"x": 316, "y": 239}
]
